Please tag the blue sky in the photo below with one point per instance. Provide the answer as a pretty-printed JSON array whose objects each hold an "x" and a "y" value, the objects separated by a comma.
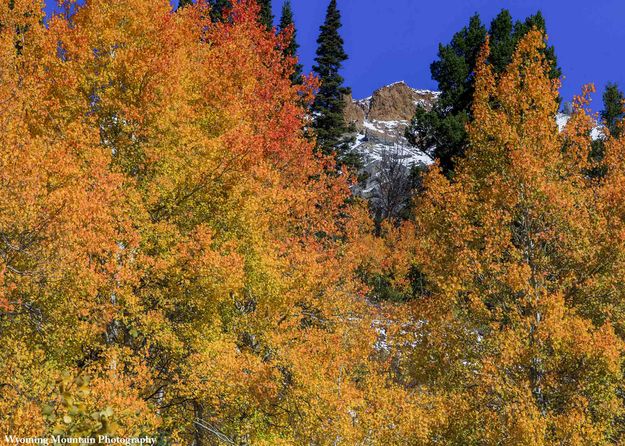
[{"x": 396, "y": 40}]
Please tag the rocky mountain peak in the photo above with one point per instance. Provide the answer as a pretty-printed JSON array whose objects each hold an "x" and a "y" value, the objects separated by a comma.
[
  {"x": 380, "y": 122},
  {"x": 395, "y": 102}
]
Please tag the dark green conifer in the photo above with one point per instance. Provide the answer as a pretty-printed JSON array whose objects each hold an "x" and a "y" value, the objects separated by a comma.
[
  {"x": 611, "y": 117},
  {"x": 329, "y": 104},
  {"x": 183, "y": 3},
  {"x": 286, "y": 20},
  {"x": 441, "y": 131},
  {"x": 612, "y": 112},
  {"x": 266, "y": 17}
]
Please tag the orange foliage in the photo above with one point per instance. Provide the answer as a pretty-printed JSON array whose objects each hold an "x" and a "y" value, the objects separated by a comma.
[
  {"x": 175, "y": 261},
  {"x": 519, "y": 253}
]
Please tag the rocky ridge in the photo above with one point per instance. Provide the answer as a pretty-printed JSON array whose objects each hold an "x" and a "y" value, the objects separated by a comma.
[{"x": 380, "y": 122}]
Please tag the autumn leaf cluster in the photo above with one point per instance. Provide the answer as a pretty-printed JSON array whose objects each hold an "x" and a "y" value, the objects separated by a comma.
[
  {"x": 176, "y": 260},
  {"x": 518, "y": 322}
]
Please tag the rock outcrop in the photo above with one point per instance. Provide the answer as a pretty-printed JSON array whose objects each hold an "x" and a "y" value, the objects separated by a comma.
[
  {"x": 396, "y": 102},
  {"x": 380, "y": 122},
  {"x": 355, "y": 112}
]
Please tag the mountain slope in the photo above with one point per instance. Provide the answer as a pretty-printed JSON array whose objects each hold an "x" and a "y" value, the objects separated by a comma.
[{"x": 380, "y": 122}]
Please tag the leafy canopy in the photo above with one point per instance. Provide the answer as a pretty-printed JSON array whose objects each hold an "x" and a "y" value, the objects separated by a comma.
[{"x": 441, "y": 131}]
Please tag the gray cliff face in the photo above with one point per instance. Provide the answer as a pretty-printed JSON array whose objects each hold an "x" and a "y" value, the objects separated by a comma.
[{"x": 380, "y": 122}]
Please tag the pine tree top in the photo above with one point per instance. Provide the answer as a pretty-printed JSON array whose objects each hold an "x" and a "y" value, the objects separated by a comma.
[
  {"x": 613, "y": 111},
  {"x": 286, "y": 21},
  {"x": 266, "y": 16},
  {"x": 330, "y": 52},
  {"x": 329, "y": 103}
]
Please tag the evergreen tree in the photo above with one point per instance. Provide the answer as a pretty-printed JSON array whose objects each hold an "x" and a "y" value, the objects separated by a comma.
[
  {"x": 329, "y": 103},
  {"x": 183, "y": 3},
  {"x": 613, "y": 112},
  {"x": 286, "y": 20},
  {"x": 266, "y": 17},
  {"x": 611, "y": 116},
  {"x": 442, "y": 130}
]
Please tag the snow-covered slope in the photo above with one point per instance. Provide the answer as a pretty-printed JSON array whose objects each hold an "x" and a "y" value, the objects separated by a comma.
[
  {"x": 380, "y": 122},
  {"x": 563, "y": 119}
]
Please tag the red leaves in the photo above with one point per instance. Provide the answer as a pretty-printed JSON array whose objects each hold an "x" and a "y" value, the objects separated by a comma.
[{"x": 178, "y": 237}]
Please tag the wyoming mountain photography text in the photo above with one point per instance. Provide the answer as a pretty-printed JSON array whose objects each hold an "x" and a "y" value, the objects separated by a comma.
[{"x": 58, "y": 439}]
